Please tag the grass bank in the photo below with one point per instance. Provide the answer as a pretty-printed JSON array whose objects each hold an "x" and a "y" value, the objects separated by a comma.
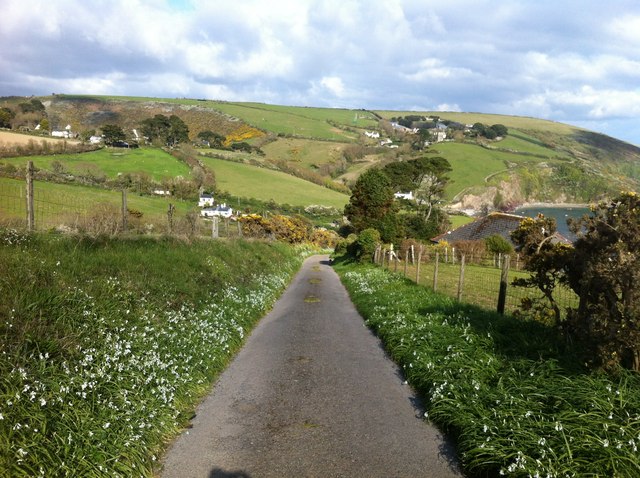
[
  {"x": 107, "y": 345},
  {"x": 513, "y": 397}
]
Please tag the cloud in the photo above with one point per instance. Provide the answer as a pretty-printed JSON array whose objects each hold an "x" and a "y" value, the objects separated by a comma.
[{"x": 572, "y": 60}]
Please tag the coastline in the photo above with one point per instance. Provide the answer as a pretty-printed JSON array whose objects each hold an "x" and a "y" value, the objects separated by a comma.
[{"x": 550, "y": 205}]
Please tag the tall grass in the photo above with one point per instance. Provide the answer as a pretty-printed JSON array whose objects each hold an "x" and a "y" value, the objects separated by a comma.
[
  {"x": 514, "y": 397},
  {"x": 106, "y": 345}
]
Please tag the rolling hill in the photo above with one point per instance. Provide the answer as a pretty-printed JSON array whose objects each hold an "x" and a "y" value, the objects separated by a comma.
[{"x": 538, "y": 160}]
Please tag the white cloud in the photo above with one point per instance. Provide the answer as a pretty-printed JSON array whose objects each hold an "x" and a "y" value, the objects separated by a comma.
[{"x": 333, "y": 85}]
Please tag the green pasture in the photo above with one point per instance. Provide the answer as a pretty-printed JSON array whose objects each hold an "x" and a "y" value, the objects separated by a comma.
[
  {"x": 54, "y": 202},
  {"x": 457, "y": 221},
  {"x": 303, "y": 152},
  {"x": 244, "y": 180},
  {"x": 524, "y": 143},
  {"x": 111, "y": 162}
]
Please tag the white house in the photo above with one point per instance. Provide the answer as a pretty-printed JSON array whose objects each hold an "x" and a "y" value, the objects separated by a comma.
[
  {"x": 221, "y": 210},
  {"x": 372, "y": 134},
  {"x": 206, "y": 200},
  {"x": 95, "y": 139},
  {"x": 408, "y": 196}
]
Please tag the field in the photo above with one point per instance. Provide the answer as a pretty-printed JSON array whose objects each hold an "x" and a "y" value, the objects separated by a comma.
[
  {"x": 244, "y": 180},
  {"x": 55, "y": 203},
  {"x": 9, "y": 138},
  {"x": 302, "y": 152},
  {"x": 111, "y": 162}
]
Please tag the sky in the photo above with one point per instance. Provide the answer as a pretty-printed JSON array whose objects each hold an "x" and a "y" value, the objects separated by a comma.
[{"x": 572, "y": 61}]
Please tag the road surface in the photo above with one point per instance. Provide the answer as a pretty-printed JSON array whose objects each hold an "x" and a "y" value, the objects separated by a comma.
[{"x": 311, "y": 394}]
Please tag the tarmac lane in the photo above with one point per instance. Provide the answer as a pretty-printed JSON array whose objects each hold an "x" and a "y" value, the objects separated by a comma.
[{"x": 311, "y": 394}]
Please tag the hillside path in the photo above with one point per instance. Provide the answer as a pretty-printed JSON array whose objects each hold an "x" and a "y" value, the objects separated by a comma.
[{"x": 311, "y": 394}]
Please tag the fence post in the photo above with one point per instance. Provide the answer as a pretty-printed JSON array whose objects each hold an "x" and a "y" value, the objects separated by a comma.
[
  {"x": 418, "y": 265},
  {"x": 170, "y": 212},
  {"x": 384, "y": 256},
  {"x": 406, "y": 261},
  {"x": 30, "y": 212},
  {"x": 413, "y": 256},
  {"x": 504, "y": 274},
  {"x": 461, "y": 278},
  {"x": 214, "y": 227},
  {"x": 124, "y": 209},
  {"x": 376, "y": 255},
  {"x": 395, "y": 262},
  {"x": 435, "y": 271}
]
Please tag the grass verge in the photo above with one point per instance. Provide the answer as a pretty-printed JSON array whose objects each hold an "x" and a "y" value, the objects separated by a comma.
[
  {"x": 512, "y": 396},
  {"x": 107, "y": 345}
]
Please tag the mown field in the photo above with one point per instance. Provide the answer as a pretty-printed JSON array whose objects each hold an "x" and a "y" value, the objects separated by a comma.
[
  {"x": 244, "y": 180},
  {"x": 111, "y": 162},
  {"x": 105, "y": 350},
  {"x": 513, "y": 396},
  {"x": 9, "y": 138}
]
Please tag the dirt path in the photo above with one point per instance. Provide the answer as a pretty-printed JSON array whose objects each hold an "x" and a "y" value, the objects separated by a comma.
[{"x": 311, "y": 394}]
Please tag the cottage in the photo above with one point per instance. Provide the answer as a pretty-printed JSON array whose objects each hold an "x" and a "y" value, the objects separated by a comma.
[
  {"x": 408, "y": 196},
  {"x": 221, "y": 210},
  {"x": 205, "y": 200}
]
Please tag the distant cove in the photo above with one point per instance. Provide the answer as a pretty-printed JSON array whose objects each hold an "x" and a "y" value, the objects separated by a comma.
[{"x": 560, "y": 213}]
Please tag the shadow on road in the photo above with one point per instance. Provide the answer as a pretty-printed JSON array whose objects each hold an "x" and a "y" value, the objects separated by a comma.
[{"x": 220, "y": 473}]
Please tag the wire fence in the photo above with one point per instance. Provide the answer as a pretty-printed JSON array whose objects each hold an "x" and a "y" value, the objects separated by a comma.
[
  {"x": 44, "y": 206},
  {"x": 483, "y": 281}
]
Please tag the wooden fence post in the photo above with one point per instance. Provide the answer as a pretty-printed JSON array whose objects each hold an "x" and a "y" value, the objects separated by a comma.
[
  {"x": 413, "y": 256},
  {"x": 384, "y": 256},
  {"x": 170, "y": 213},
  {"x": 395, "y": 262},
  {"x": 30, "y": 211},
  {"x": 215, "y": 233},
  {"x": 504, "y": 275},
  {"x": 435, "y": 271},
  {"x": 418, "y": 265},
  {"x": 461, "y": 278},
  {"x": 406, "y": 261},
  {"x": 124, "y": 210}
]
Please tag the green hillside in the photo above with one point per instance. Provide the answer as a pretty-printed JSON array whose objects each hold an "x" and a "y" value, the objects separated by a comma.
[{"x": 538, "y": 160}]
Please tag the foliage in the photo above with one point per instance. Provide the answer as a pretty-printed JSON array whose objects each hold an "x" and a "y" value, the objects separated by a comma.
[
  {"x": 167, "y": 131},
  {"x": 603, "y": 269},
  {"x": 215, "y": 140},
  {"x": 105, "y": 351},
  {"x": 496, "y": 244},
  {"x": 365, "y": 245},
  {"x": 6, "y": 116},
  {"x": 290, "y": 229},
  {"x": 113, "y": 133},
  {"x": 242, "y": 133},
  {"x": 371, "y": 201},
  {"x": 32, "y": 106},
  {"x": 545, "y": 258},
  {"x": 512, "y": 402},
  {"x": 473, "y": 251},
  {"x": 605, "y": 273}
]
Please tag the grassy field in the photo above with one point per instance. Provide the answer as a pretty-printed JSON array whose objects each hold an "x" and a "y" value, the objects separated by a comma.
[
  {"x": 303, "y": 153},
  {"x": 111, "y": 162},
  {"x": 10, "y": 138},
  {"x": 54, "y": 203},
  {"x": 250, "y": 181}
]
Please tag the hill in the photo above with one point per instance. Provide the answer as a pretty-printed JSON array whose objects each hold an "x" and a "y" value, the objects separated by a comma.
[{"x": 537, "y": 161}]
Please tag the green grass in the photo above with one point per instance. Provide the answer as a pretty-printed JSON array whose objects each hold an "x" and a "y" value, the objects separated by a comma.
[
  {"x": 105, "y": 350},
  {"x": 510, "y": 393},
  {"x": 54, "y": 202},
  {"x": 244, "y": 180},
  {"x": 111, "y": 162},
  {"x": 303, "y": 153},
  {"x": 457, "y": 221}
]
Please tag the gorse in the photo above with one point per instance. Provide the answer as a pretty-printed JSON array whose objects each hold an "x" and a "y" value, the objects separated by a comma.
[{"x": 107, "y": 345}]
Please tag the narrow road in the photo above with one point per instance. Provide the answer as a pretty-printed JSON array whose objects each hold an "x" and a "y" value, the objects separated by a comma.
[{"x": 311, "y": 394}]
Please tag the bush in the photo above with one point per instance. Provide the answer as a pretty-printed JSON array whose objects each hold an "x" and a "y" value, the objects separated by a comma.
[
  {"x": 366, "y": 244},
  {"x": 496, "y": 244}
]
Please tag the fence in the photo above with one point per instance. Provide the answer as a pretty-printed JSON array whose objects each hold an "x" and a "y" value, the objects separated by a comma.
[
  {"x": 482, "y": 280},
  {"x": 39, "y": 205}
]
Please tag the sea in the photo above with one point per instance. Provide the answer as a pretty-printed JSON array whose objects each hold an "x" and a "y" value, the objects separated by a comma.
[{"x": 560, "y": 213}]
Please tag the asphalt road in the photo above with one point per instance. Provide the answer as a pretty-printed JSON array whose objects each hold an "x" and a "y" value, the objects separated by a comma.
[{"x": 311, "y": 394}]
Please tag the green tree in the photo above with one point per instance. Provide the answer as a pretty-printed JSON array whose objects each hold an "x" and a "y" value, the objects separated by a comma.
[
  {"x": 215, "y": 140},
  {"x": 365, "y": 245},
  {"x": 168, "y": 131},
  {"x": 112, "y": 133},
  {"x": 496, "y": 244},
  {"x": 6, "y": 116},
  {"x": 372, "y": 199}
]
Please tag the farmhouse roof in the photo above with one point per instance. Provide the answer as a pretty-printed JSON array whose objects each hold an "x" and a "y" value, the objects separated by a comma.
[{"x": 493, "y": 223}]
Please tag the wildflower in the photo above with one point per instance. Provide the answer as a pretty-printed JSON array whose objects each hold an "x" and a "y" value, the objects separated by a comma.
[
  {"x": 605, "y": 443},
  {"x": 558, "y": 426}
]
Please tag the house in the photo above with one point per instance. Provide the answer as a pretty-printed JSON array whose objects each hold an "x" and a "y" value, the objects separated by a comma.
[
  {"x": 221, "y": 210},
  {"x": 206, "y": 200},
  {"x": 95, "y": 139},
  {"x": 372, "y": 134},
  {"x": 494, "y": 223},
  {"x": 408, "y": 196}
]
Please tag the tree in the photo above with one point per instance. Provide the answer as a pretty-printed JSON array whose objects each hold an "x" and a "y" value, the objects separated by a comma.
[
  {"x": 500, "y": 129},
  {"x": 33, "y": 106},
  {"x": 431, "y": 177},
  {"x": 113, "y": 133},
  {"x": 372, "y": 199},
  {"x": 6, "y": 115},
  {"x": 178, "y": 131},
  {"x": 168, "y": 131},
  {"x": 546, "y": 259},
  {"x": 215, "y": 140},
  {"x": 605, "y": 273}
]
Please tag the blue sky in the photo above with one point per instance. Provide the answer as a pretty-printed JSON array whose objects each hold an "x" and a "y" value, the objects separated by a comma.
[{"x": 571, "y": 61}]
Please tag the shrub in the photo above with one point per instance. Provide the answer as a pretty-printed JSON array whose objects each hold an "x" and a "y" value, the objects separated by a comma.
[{"x": 366, "y": 244}]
